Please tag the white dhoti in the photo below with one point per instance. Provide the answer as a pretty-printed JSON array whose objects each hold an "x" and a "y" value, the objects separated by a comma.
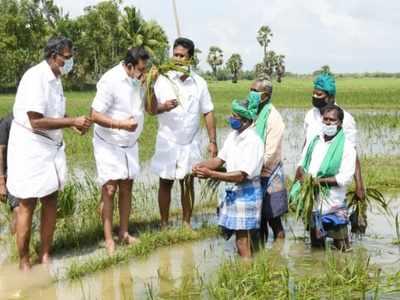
[
  {"x": 114, "y": 162},
  {"x": 36, "y": 165},
  {"x": 174, "y": 161}
]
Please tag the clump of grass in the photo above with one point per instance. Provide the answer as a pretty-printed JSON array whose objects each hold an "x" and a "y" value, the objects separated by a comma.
[
  {"x": 149, "y": 242},
  {"x": 373, "y": 198}
]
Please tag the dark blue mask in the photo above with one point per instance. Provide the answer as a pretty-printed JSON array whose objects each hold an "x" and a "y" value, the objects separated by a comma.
[{"x": 235, "y": 124}]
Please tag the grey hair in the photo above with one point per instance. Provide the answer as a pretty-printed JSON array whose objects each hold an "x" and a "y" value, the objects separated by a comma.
[{"x": 266, "y": 85}]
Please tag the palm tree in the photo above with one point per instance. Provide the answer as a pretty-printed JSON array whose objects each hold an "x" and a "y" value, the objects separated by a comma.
[
  {"x": 234, "y": 64},
  {"x": 264, "y": 36},
  {"x": 215, "y": 58},
  {"x": 148, "y": 34}
]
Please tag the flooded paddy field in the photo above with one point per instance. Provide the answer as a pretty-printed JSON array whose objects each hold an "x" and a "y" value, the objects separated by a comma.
[{"x": 176, "y": 264}]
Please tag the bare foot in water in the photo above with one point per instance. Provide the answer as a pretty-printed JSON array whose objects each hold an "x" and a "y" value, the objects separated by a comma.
[
  {"x": 127, "y": 239},
  {"x": 24, "y": 264},
  {"x": 187, "y": 225},
  {"x": 45, "y": 259},
  {"x": 110, "y": 247}
]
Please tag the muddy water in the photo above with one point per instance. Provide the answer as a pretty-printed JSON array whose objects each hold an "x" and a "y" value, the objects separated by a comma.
[{"x": 170, "y": 268}]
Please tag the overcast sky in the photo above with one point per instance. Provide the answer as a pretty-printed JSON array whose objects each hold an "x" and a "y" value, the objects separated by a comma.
[{"x": 348, "y": 35}]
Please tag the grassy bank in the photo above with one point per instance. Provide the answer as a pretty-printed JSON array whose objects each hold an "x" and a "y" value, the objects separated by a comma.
[{"x": 149, "y": 242}]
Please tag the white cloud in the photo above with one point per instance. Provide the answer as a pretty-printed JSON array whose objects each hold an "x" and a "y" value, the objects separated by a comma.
[{"x": 349, "y": 35}]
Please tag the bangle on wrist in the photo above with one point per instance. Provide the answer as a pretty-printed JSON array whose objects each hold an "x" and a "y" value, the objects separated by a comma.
[
  {"x": 112, "y": 124},
  {"x": 213, "y": 141}
]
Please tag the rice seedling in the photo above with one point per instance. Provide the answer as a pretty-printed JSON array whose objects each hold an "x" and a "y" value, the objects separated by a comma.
[
  {"x": 303, "y": 204},
  {"x": 358, "y": 218},
  {"x": 397, "y": 227},
  {"x": 171, "y": 65}
]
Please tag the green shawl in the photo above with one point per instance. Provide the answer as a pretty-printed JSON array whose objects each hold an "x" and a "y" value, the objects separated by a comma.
[{"x": 329, "y": 167}]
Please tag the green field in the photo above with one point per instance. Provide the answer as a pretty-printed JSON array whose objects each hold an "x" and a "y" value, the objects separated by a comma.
[{"x": 353, "y": 93}]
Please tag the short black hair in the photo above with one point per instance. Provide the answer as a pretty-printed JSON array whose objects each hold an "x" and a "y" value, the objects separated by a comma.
[
  {"x": 331, "y": 107},
  {"x": 185, "y": 43},
  {"x": 56, "y": 45},
  {"x": 135, "y": 54}
]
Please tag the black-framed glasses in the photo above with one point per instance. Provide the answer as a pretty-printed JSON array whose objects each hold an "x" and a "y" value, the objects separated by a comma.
[{"x": 65, "y": 57}]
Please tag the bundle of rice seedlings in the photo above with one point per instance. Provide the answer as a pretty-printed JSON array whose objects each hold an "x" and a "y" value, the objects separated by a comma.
[
  {"x": 170, "y": 65},
  {"x": 358, "y": 218},
  {"x": 303, "y": 205},
  {"x": 210, "y": 187}
]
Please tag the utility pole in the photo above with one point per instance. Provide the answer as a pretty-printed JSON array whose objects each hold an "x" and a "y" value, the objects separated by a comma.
[{"x": 178, "y": 30}]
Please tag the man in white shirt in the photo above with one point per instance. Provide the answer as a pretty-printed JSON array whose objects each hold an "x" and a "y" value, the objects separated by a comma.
[
  {"x": 242, "y": 154},
  {"x": 118, "y": 111},
  {"x": 330, "y": 212},
  {"x": 36, "y": 158},
  {"x": 181, "y": 100},
  {"x": 324, "y": 94}
]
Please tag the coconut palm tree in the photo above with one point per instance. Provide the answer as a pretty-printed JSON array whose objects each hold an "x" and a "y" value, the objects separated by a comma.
[
  {"x": 234, "y": 64},
  {"x": 215, "y": 58}
]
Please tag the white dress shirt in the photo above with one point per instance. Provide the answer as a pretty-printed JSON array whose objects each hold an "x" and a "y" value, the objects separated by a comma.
[
  {"x": 119, "y": 99},
  {"x": 243, "y": 152},
  {"x": 36, "y": 164},
  {"x": 178, "y": 136}
]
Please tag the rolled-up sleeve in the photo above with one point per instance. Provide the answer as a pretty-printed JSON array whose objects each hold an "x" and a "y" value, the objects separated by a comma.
[
  {"x": 104, "y": 96},
  {"x": 250, "y": 159},
  {"x": 206, "y": 104},
  {"x": 33, "y": 86},
  {"x": 348, "y": 165}
]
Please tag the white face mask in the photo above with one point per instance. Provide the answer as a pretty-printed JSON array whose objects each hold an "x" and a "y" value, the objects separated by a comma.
[
  {"x": 329, "y": 130},
  {"x": 68, "y": 65},
  {"x": 134, "y": 81}
]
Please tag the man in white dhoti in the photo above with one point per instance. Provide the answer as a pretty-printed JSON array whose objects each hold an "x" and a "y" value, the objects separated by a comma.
[
  {"x": 118, "y": 111},
  {"x": 36, "y": 159},
  {"x": 181, "y": 100}
]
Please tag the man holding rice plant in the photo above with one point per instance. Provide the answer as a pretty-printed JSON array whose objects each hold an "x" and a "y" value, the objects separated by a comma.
[
  {"x": 242, "y": 154},
  {"x": 330, "y": 159},
  {"x": 324, "y": 93},
  {"x": 36, "y": 158},
  {"x": 118, "y": 113},
  {"x": 180, "y": 100},
  {"x": 272, "y": 177}
]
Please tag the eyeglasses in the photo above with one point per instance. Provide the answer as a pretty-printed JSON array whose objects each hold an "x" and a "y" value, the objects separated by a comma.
[{"x": 65, "y": 57}]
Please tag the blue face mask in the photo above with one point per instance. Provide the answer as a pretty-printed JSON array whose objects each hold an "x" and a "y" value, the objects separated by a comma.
[{"x": 235, "y": 124}]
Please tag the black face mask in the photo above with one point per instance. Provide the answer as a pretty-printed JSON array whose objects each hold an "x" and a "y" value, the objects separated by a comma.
[{"x": 318, "y": 102}]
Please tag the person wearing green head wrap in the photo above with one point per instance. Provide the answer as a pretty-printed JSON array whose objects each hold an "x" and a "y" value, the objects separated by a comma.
[
  {"x": 270, "y": 126},
  {"x": 324, "y": 93},
  {"x": 242, "y": 155}
]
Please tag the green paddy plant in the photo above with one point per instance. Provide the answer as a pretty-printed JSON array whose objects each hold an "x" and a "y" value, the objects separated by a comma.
[
  {"x": 397, "y": 226},
  {"x": 163, "y": 69},
  {"x": 303, "y": 204},
  {"x": 373, "y": 198}
]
